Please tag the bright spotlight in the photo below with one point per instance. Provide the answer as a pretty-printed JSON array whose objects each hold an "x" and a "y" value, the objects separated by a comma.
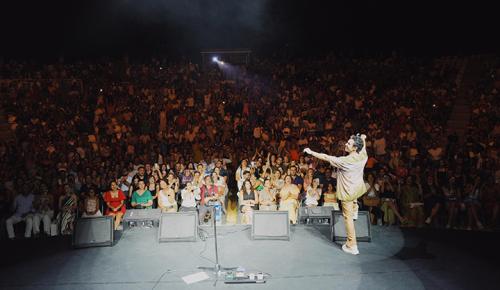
[
  {"x": 221, "y": 62},
  {"x": 215, "y": 59}
]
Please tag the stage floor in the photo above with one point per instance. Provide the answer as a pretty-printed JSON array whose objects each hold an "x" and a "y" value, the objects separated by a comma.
[{"x": 395, "y": 259}]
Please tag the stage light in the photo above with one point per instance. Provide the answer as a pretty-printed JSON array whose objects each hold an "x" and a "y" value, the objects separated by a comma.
[
  {"x": 215, "y": 59},
  {"x": 221, "y": 62}
]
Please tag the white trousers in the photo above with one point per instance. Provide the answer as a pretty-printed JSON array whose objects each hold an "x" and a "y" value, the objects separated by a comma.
[
  {"x": 46, "y": 218},
  {"x": 10, "y": 222}
]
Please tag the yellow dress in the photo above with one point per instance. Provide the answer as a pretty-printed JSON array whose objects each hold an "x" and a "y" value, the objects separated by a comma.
[{"x": 289, "y": 194}]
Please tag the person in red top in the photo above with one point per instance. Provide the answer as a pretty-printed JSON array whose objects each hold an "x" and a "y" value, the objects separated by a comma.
[
  {"x": 209, "y": 197},
  {"x": 115, "y": 200}
]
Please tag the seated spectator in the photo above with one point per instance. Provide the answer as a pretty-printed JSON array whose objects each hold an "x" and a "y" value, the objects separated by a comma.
[
  {"x": 313, "y": 194},
  {"x": 308, "y": 178},
  {"x": 248, "y": 200},
  {"x": 209, "y": 198},
  {"x": 330, "y": 197},
  {"x": 173, "y": 183},
  {"x": 220, "y": 182},
  {"x": 68, "y": 204},
  {"x": 166, "y": 198},
  {"x": 433, "y": 199},
  {"x": 267, "y": 197},
  {"x": 23, "y": 211},
  {"x": 451, "y": 199},
  {"x": 240, "y": 171},
  {"x": 186, "y": 177},
  {"x": 91, "y": 205},
  {"x": 245, "y": 176},
  {"x": 371, "y": 200},
  {"x": 153, "y": 186},
  {"x": 289, "y": 195},
  {"x": 197, "y": 179},
  {"x": 190, "y": 197},
  {"x": 472, "y": 196},
  {"x": 115, "y": 201},
  {"x": 44, "y": 212},
  {"x": 141, "y": 198},
  {"x": 277, "y": 181},
  {"x": 412, "y": 202},
  {"x": 388, "y": 199}
]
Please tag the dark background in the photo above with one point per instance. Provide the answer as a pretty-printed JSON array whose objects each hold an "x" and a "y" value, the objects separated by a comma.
[{"x": 84, "y": 28}]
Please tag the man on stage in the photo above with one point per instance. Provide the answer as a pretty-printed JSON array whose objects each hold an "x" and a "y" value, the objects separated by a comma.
[{"x": 350, "y": 183}]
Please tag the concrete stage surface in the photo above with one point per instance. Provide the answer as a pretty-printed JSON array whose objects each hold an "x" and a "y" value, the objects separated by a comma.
[{"x": 395, "y": 259}]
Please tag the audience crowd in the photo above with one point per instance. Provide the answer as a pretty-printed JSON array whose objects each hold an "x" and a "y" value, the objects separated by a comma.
[{"x": 94, "y": 138}]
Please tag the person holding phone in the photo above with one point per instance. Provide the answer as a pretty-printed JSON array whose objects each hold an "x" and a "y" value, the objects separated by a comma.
[{"x": 350, "y": 183}]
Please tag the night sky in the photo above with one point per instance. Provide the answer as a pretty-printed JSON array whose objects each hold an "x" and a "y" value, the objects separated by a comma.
[{"x": 184, "y": 27}]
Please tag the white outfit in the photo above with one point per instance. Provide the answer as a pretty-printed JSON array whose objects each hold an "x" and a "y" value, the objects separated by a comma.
[
  {"x": 46, "y": 217},
  {"x": 311, "y": 197},
  {"x": 375, "y": 187},
  {"x": 24, "y": 206},
  {"x": 165, "y": 200},
  {"x": 188, "y": 199}
]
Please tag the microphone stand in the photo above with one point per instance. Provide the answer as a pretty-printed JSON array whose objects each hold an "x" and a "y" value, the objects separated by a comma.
[{"x": 217, "y": 267}]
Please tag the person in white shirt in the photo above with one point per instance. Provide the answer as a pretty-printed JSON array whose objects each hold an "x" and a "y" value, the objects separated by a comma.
[
  {"x": 166, "y": 198},
  {"x": 23, "y": 211},
  {"x": 190, "y": 197},
  {"x": 313, "y": 194},
  {"x": 350, "y": 183}
]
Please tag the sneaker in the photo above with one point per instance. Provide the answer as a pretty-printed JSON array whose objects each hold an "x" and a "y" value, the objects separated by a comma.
[
  {"x": 352, "y": 251},
  {"x": 480, "y": 226},
  {"x": 428, "y": 220},
  {"x": 379, "y": 222}
]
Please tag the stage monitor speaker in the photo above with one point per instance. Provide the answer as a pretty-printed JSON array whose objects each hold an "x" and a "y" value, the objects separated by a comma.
[
  {"x": 317, "y": 212},
  {"x": 270, "y": 225},
  {"x": 361, "y": 225},
  {"x": 93, "y": 232},
  {"x": 178, "y": 227}
]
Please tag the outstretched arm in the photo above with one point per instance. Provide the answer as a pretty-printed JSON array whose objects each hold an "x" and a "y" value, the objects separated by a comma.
[
  {"x": 321, "y": 156},
  {"x": 363, "y": 151}
]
